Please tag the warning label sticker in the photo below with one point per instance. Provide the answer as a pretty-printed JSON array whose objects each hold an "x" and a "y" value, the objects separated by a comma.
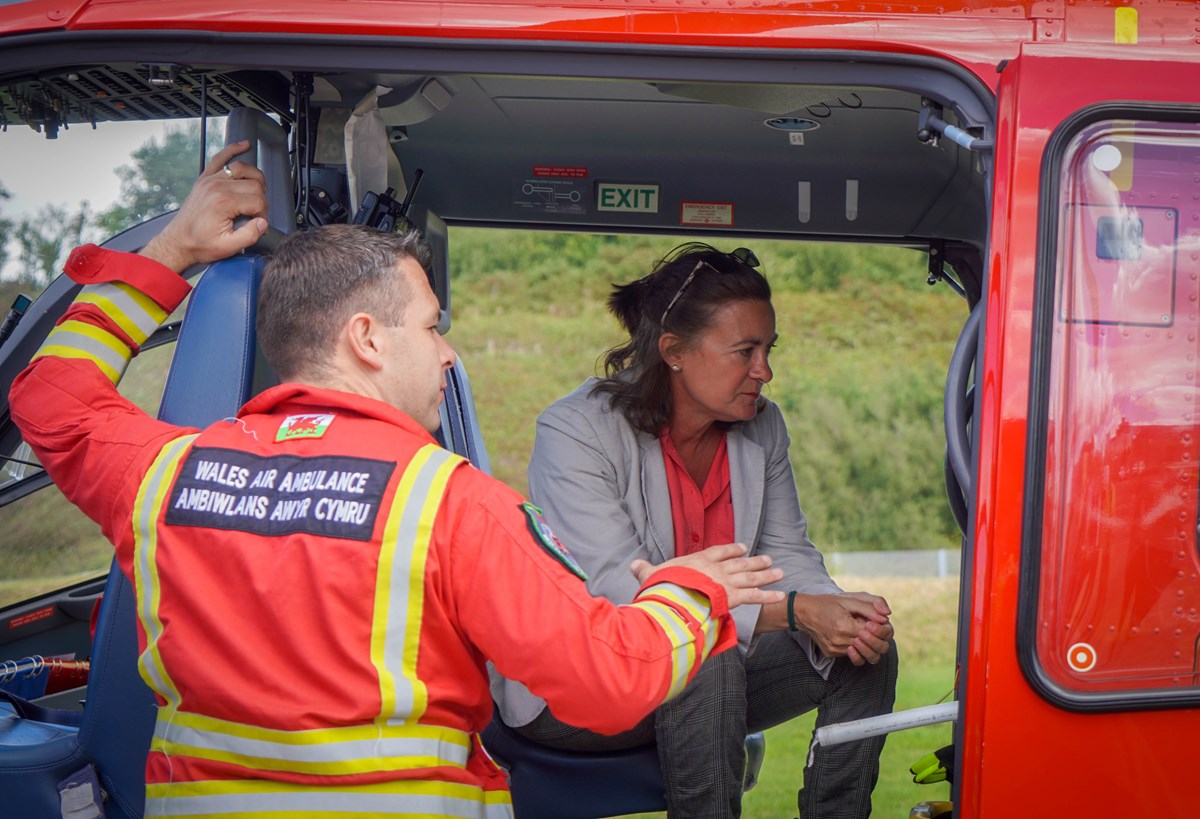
[
  {"x": 560, "y": 171},
  {"x": 550, "y": 194},
  {"x": 31, "y": 617},
  {"x": 706, "y": 213}
]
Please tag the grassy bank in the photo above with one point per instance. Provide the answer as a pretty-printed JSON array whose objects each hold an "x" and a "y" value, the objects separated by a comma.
[{"x": 859, "y": 369}]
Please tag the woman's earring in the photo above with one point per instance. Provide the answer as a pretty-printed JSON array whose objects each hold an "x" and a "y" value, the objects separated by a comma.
[{"x": 674, "y": 368}]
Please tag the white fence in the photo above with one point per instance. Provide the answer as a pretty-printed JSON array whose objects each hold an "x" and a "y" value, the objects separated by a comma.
[{"x": 916, "y": 563}]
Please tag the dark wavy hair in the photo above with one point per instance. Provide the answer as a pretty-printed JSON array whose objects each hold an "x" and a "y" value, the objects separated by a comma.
[{"x": 637, "y": 380}]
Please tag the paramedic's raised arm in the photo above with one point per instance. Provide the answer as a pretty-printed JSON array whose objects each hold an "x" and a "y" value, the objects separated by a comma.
[
  {"x": 87, "y": 435},
  {"x": 203, "y": 230}
]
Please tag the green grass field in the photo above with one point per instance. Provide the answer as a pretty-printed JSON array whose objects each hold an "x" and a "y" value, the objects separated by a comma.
[{"x": 925, "y": 612}]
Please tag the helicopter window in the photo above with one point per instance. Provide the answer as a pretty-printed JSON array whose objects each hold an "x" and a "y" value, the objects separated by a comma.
[{"x": 1116, "y": 619}]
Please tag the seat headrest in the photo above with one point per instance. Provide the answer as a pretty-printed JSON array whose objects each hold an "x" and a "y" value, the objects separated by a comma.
[{"x": 217, "y": 366}]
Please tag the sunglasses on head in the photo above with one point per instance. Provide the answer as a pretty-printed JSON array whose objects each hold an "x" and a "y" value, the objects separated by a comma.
[{"x": 742, "y": 254}]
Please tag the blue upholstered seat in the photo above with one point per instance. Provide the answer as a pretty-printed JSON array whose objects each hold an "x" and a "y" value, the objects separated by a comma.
[{"x": 553, "y": 784}]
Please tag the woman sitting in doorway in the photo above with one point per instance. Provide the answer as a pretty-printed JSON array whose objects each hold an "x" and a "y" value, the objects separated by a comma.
[{"x": 678, "y": 449}]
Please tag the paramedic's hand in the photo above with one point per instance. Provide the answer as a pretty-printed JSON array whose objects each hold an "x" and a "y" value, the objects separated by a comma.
[
  {"x": 741, "y": 576},
  {"x": 202, "y": 231},
  {"x": 854, "y": 624}
]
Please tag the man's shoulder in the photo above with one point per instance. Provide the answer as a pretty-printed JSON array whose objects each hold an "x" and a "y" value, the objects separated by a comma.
[
  {"x": 475, "y": 497},
  {"x": 469, "y": 480}
]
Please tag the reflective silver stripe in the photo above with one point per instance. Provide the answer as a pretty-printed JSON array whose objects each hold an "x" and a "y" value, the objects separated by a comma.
[
  {"x": 711, "y": 632},
  {"x": 320, "y": 751},
  {"x": 327, "y": 803},
  {"x": 405, "y": 552},
  {"x": 139, "y": 322},
  {"x": 695, "y": 604},
  {"x": 93, "y": 348},
  {"x": 150, "y": 498},
  {"x": 685, "y": 653}
]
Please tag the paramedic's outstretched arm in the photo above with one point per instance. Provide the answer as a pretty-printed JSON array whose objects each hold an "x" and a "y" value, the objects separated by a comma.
[{"x": 516, "y": 593}]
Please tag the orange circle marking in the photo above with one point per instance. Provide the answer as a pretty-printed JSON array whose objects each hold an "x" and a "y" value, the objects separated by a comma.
[{"x": 1081, "y": 657}]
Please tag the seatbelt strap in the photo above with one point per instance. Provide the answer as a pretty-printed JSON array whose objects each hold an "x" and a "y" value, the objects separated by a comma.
[{"x": 53, "y": 716}]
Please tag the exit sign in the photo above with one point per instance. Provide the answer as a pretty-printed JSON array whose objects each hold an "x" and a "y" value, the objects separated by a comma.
[{"x": 626, "y": 198}]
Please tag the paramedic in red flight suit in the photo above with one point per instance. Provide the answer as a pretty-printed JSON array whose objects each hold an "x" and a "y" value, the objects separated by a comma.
[{"x": 318, "y": 583}]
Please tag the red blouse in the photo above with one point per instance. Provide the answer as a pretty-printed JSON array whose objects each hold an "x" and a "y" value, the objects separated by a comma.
[{"x": 703, "y": 517}]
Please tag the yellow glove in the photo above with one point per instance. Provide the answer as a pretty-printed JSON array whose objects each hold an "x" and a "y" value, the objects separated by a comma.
[{"x": 935, "y": 767}]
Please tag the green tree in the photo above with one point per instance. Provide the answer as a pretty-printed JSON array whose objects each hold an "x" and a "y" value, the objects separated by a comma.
[
  {"x": 6, "y": 229},
  {"x": 45, "y": 238},
  {"x": 162, "y": 173}
]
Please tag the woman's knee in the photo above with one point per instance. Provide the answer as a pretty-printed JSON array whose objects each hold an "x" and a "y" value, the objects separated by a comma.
[{"x": 719, "y": 684}]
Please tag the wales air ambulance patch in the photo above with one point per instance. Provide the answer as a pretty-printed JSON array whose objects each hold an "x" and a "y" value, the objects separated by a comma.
[
  {"x": 545, "y": 538},
  {"x": 303, "y": 426}
]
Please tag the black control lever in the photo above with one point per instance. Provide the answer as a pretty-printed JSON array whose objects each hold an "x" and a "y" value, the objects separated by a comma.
[{"x": 381, "y": 210}]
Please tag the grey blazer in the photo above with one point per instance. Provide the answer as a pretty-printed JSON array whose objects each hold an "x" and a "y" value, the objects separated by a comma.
[{"x": 603, "y": 488}]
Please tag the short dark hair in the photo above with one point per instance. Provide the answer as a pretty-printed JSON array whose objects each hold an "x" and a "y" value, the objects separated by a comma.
[
  {"x": 637, "y": 379},
  {"x": 318, "y": 278}
]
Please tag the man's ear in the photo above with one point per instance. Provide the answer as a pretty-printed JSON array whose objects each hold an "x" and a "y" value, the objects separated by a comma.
[{"x": 363, "y": 335}]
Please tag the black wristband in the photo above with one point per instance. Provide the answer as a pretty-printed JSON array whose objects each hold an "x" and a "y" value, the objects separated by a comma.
[{"x": 791, "y": 607}]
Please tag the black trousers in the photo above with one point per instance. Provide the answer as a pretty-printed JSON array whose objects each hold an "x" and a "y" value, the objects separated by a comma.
[{"x": 701, "y": 733}]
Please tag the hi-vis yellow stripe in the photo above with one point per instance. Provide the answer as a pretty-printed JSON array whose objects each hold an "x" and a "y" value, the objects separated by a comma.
[
  {"x": 323, "y": 752},
  {"x": 662, "y": 601},
  {"x": 79, "y": 339},
  {"x": 684, "y": 655},
  {"x": 132, "y": 310},
  {"x": 695, "y": 604},
  {"x": 400, "y": 583},
  {"x": 263, "y": 799},
  {"x": 150, "y": 498}
]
